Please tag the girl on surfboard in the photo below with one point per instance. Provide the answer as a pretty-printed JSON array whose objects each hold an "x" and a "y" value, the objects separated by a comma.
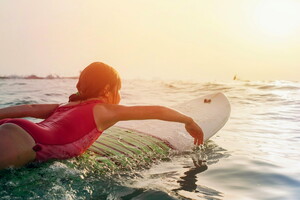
[{"x": 69, "y": 129}]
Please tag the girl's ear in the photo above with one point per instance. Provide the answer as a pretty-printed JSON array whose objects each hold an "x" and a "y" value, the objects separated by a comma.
[{"x": 106, "y": 90}]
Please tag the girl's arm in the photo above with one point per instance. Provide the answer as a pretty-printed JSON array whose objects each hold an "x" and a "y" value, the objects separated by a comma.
[
  {"x": 41, "y": 111},
  {"x": 107, "y": 115}
]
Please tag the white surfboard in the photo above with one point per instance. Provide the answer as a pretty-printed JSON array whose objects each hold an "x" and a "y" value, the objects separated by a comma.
[{"x": 211, "y": 112}]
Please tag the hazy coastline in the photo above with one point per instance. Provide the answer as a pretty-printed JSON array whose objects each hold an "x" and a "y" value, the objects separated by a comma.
[{"x": 38, "y": 77}]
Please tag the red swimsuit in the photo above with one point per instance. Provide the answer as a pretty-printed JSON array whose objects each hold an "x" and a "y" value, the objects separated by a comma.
[{"x": 68, "y": 132}]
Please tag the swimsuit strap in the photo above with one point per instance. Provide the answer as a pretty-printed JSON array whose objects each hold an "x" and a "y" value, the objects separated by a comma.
[
  {"x": 89, "y": 102},
  {"x": 94, "y": 101}
]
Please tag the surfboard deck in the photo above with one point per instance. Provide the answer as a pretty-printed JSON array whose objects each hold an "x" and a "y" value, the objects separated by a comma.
[
  {"x": 121, "y": 148},
  {"x": 133, "y": 143}
]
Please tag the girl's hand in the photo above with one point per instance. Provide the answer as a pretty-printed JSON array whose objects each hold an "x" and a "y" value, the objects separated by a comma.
[{"x": 195, "y": 131}]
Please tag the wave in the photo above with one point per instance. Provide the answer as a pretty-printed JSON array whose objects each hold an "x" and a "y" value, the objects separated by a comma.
[{"x": 23, "y": 101}]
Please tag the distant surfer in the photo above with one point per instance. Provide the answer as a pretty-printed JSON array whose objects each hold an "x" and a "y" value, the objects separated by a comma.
[
  {"x": 207, "y": 101},
  {"x": 69, "y": 129}
]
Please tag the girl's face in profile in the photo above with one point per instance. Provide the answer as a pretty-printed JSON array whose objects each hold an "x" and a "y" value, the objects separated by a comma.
[
  {"x": 117, "y": 97},
  {"x": 114, "y": 96}
]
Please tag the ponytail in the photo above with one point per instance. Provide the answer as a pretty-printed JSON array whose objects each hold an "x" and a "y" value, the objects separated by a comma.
[{"x": 76, "y": 97}]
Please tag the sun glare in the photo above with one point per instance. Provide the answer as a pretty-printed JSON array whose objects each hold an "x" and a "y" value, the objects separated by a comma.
[{"x": 278, "y": 17}]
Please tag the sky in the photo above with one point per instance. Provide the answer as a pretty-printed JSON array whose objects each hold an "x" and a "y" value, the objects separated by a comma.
[{"x": 146, "y": 39}]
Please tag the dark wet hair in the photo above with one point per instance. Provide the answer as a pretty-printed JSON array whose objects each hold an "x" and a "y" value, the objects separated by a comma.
[{"x": 93, "y": 79}]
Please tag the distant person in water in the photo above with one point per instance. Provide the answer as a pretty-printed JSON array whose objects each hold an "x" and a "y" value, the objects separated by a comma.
[{"x": 69, "y": 129}]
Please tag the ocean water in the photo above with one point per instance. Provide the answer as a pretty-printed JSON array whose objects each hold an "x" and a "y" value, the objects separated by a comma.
[{"x": 255, "y": 156}]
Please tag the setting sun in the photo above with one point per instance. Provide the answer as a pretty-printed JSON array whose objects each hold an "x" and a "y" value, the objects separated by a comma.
[{"x": 278, "y": 17}]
